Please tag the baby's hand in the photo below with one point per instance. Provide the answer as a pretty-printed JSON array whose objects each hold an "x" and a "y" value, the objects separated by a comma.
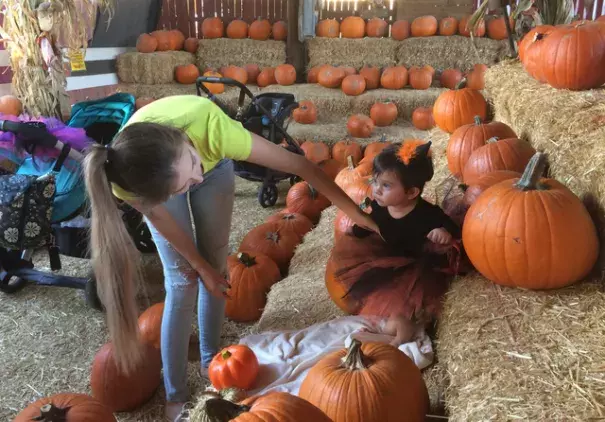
[{"x": 440, "y": 236}]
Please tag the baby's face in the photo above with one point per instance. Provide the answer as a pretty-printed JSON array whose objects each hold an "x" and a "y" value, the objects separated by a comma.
[{"x": 389, "y": 192}]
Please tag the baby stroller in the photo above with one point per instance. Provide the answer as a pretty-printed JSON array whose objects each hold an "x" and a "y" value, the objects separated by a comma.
[
  {"x": 265, "y": 116},
  {"x": 48, "y": 177}
]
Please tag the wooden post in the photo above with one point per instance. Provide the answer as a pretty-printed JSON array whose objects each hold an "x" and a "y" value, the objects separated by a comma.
[{"x": 295, "y": 50}]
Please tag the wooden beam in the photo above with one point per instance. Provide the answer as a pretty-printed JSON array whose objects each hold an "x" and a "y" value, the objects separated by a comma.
[{"x": 295, "y": 50}]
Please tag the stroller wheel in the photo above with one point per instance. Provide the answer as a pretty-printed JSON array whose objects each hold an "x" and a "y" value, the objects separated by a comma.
[
  {"x": 12, "y": 284},
  {"x": 267, "y": 195},
  {"x": 90, "y": 293}
]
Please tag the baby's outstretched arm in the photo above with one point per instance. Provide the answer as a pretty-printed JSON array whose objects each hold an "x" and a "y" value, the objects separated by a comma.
[{"x": 402, "y": 328}]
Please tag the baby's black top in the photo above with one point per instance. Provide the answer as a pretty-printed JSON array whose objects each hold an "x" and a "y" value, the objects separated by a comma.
[{"x": 407, "y": 235}]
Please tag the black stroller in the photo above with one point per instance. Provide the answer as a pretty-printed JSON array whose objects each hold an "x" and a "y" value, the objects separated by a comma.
[{"x": 265, "y": 116}]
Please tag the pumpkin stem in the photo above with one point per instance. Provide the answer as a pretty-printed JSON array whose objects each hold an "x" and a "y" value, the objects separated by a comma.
[
  {"x": 247, "y": 260},
  {"x": 461, "y": 84},
  {"x": 221, "y": 410},
  {"x": 492, "y": 140},
  {"x": 312, "y": 191},
  {"x": 532, "y": 173},
  {"x": 463, "y": 187},
  {"x": 350, "y": 162},
  {"x": 50, "y": 413},
  {"x": 225, "y": 354},
  {"x": 355, "y": 359},
  {"x": 477, "y": 120},
  {"x": 273, "y": 236},
  {"x": 383, "y": 138},
  {"x": 288, "y": 217}
]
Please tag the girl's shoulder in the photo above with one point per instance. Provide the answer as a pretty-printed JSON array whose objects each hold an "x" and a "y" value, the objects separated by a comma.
[{"x": 172, "y": 109}]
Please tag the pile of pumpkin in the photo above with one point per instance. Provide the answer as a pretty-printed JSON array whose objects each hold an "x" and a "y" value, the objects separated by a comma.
[
  {"x": 284, "y": 74},
  {"x": 564, "y": 56},
  {"x": 422, "y": 26}
]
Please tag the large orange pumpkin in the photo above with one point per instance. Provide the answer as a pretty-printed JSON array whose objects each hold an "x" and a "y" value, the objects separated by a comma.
[
  {"x": 186, "y": 74},
  {"x": 531, "y": 232},
  {"x": 235, "y": 366},
  {"x": 329, "y": 28},
  {"x": 394, "y": 77},
  {"x": 475, "y": 79},
  {"x": 305, "y": 113},
  {"x": 353, "y": 27},
  {"x": 266, "y": 77},
  {"x": 253, "y": 71},
  {"x": 237, "y": 73},
  {"x": 457, "y": 107},
  {"x": 191, "y": 45},
  {"x": 485, "y": 181},
  {"x": 304, "y": 199},
  {"x": 280, "y": 31},
  {"x": 163, "y": 40},
  {"x": 464, "y": 30},
  {"x": 468, "y": 138},
  {"x": 342, "y": 150},
  {"x": 273, "y": 240},
  {"x": 215, "y": 88},
  {"x": 421, "y": 77},
  {"x": 448, "y": 26},
  {"x": 383, "y": 113},
  {"x": 450, "y": 78},
  {"x": 213, "y": 28},
  {"x": 376, "y": 28},
  {"x": 125, "y": 392},
  {"x": 390, "y": 381},
  {"x": 532, "y": 59},
  {"x": 371, "y": 75},
  {"x": 295, "y": 222},
  {"x": 424, "y": 26},
  {"x": 422, "y": 118},
  {"x": 251, "y": 276},
  {"x": 285, "y": 74},
  {"x": 260, "y": 29},
  {"x": 360, "y": 126},
  {"x": 400, "y": 30},
  {"x": 315, "y": 151},
  {"x": 146, "y": 43},
  {"x": 237, "y": 29},
  {"x": 353, "y": 85},
  {"x": 530, "y": 37},
  {"x": 331, "y": 167},
  {"x": 66, "y": 407},
  {"x": 11, "y": 105},
  {"x": 336, "y": 290},
  {"x": 330, "y": 76},
  {"x": 177, "y": 39},
  {"x": 505, "y": 154}
]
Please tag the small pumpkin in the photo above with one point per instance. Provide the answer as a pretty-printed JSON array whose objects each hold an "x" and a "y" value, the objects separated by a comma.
[
  {"x": 353, "y": 85},
  {"x": 468, "y": 138},
  {"x": 394, "y": 77},
  {"x": 150, "y": 323},
  {"x": 505, "y": 154},
  {"x": 475, "y": 79},
  {"x": 305, "y": 113},
  {"x": 313, "y": 74},
  {"x": 272, "y": 240},
  {"x": 376, "y": 28},
  {"x": 464, "y": 30},
  {"x": 186, "y": 74},
  {"x": 177, "y": 39},
  {"x": 383, "y": 113},
  {"x": 450, "y": 78},
  {"x": 235, "y": 366},
  {"x": 251, "y": 276},
  {"x": 400, "y": 30},
  {"x": 163, "y": 40},
  {"x": 122, "y": 392},
  {"x": 342, "y": 150},
  {"x": 360, "y": 126},
  {"x": 421, "y": 78},
  {"x": 253, "y": 71},
  {"x": 374, "y": 148},
  {"x": 285, "y": 74},
  {"x": 353, "y": 27},
  {"x": 214, "y": 88},
  {"x": 532, "y": 232},
  {"x": 295, "y": 222},
  {"x": 280, "y": 31},
  {"x": 496, "y": 28},
  {"x": 191, "y": 45},
  {"x": 424, "y": 26},
  {"x": 146, "y": 43},
  {"x": 237, "y": 29},
  {"x": 329, "y": 28},
  {"x": 237, "y": 73},
  {"x": 316, "y": 151},
  {"x": 266, "y": 77},
  {"x": 331, "y": 167},
  {"x": 304, "y": 199},
  {"x": 371, "y": 75},
  {"x": 11, "y": 105},
  {"x": 389, "y": 379},
  {"x": 66, "y": 407},
  {"x": 458, "y": 107},
  {"x": 485, "y": 181},
  {"x": 422, "y": 118},
  {"x": 213, "y": 28},
  {"x": 331, "y": 77},
  {"x": 349, "y": 70},
  {"x": 448, "y": 26},
  {"x": 260, "y": 29},
  {"x": 349, "y": 174}
]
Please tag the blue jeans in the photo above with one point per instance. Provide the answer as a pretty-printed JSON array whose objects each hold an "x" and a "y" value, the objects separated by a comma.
[{"x": 211, "y": 206}]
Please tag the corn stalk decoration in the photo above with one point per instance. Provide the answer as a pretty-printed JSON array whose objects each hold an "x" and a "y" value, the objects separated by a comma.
[{"x": 29, "y": 31}]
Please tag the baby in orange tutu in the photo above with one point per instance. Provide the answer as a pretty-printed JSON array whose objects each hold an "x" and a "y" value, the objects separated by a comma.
[{"x": 404, "y": 272}]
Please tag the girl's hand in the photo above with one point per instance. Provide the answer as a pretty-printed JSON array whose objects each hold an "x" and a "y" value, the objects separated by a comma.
[
  {"x": 213, "y": 281},
  {"x": 440, "y": 236}
]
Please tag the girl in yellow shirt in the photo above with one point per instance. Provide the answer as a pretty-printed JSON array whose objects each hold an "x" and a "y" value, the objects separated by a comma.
[{"x": 171, "y": 147}]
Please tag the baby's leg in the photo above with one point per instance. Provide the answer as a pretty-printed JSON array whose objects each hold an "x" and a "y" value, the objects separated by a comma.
[{"x": 401, "y": 327}]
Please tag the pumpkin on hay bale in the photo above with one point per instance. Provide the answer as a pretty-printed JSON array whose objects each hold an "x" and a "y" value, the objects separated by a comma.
[
  {"x": 151, "y": 68},
  {"x": 458, "y": 107},
  {"x": 304, "y": 199},
  {"x": 274, "y": 241}
]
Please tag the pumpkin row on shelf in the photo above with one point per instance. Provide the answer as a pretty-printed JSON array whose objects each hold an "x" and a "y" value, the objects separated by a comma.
[
  {"x": 166, "y": 40},
  {"x": 284, "y": 74},
  {"x": 422, "y": 26},
  {"x": 260, "y": 29}
]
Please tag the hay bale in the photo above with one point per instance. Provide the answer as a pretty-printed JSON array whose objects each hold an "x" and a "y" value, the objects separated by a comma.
[
  {"x": 215, "y": 53},
  {"x": 516, "y": 354},
  {"x": 151, "y": 68},
  {"x": 361, "y": 52},
  {"x": 455, "y": 52}
]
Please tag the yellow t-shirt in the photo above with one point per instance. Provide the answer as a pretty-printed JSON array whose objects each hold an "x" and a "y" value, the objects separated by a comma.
[{"x": 214, "y": 135}]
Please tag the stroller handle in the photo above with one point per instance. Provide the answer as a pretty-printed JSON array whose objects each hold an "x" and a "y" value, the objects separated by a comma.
[{"x": 226, "y": 81}]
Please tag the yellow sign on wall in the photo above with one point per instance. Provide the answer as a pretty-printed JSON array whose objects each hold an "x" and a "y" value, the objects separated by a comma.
[{"x": 76, "y": 61}]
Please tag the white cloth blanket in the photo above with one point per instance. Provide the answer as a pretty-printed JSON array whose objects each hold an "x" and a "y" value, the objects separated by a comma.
[{"x": 285, "y": 357}]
